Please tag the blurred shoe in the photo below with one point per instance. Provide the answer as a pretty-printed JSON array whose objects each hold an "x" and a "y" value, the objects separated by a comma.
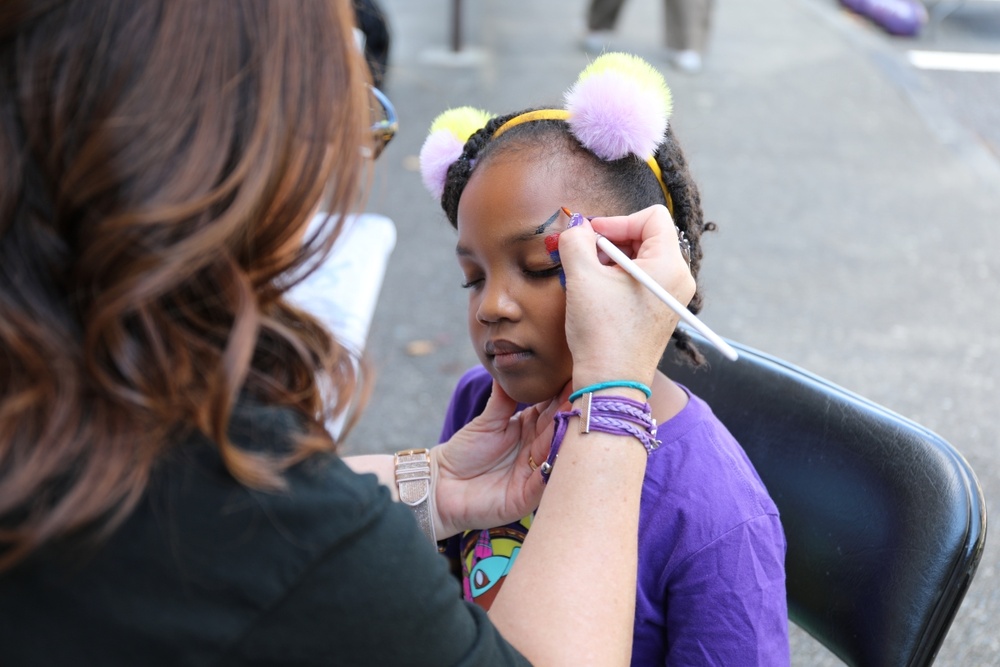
[
  {"x": 687, "y": 61},
  {"x": 597, "y": 41},
  {"x": 897, "y": 17}
]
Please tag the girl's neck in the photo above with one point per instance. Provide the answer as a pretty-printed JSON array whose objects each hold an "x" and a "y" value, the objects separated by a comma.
[{"x": 668, "y": 399}]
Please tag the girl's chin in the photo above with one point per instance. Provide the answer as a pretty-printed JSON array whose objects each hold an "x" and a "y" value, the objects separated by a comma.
[{"x": 530, "y": 395}]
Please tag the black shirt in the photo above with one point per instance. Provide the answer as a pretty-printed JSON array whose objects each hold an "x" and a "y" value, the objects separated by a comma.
[{"x": 207, "y": 572}]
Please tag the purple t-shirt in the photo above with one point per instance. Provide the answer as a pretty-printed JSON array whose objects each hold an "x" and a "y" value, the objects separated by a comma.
[{"x": 711, "y": 584}]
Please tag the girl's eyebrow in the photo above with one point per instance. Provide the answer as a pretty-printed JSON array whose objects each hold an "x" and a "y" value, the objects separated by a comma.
[
  {"x": 541, "y": 228},
  {"x": 462, "y": 251},
  {"x": 538, "y": 231}
]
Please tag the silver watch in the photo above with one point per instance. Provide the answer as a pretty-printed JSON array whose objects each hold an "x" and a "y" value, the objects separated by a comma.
[{"x": 413, "y": 479}]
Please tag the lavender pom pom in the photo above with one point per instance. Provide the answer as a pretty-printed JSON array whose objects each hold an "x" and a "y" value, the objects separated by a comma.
[
  {"x": 439, "y": 151},
  {"x": 619, "y": 106},
  {"x": 445, "y": 142}
]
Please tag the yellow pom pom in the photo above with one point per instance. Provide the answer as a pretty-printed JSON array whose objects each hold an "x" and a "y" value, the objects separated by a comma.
[
  {"x": 462, "y": 122},
  {"x": 633, "y": 67}
]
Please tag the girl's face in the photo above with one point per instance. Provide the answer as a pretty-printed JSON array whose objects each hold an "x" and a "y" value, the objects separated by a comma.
[{"x": 516, "y": 303}]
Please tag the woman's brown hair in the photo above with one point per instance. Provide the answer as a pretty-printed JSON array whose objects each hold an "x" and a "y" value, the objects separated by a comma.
[{"x": 161, "y": 159}]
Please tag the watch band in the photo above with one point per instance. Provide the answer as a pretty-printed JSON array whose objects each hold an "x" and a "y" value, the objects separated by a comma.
[{"x": 413, "y": 479}]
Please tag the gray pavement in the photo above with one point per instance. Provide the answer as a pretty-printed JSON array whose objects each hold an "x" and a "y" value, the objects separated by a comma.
[
  {"x": 972, "y": 97},
  {"x": 859, "y": 221}
]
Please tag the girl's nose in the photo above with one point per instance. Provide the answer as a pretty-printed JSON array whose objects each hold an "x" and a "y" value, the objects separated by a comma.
[{"x": 497, "y": 304}]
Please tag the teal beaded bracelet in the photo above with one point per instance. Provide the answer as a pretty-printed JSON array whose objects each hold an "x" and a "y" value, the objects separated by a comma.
[{"x": 609, "y": 385}]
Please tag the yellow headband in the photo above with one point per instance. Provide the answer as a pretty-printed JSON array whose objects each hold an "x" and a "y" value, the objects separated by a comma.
[{"x": 563, "y": 114}]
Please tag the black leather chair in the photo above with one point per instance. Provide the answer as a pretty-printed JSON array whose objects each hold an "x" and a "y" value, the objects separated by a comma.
[{"x": 885, "y": 520}]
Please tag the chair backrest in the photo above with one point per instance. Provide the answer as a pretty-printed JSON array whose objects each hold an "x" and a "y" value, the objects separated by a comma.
[{"x": 885, "y": 520}]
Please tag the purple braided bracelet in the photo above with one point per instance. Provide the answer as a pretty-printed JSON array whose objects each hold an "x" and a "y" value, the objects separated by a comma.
[{"x": 616, "y": 415}]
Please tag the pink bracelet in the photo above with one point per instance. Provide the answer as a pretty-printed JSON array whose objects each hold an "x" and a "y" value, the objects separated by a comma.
[{"x": 616, "y": 415}]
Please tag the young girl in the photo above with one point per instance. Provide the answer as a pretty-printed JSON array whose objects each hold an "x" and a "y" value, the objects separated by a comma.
[{"x": 710, "y": 587}]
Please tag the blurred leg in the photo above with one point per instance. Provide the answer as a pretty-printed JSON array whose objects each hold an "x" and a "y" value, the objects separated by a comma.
[
  {"x": 688, "y": 24},
  {"x": 603, "y": 14}
]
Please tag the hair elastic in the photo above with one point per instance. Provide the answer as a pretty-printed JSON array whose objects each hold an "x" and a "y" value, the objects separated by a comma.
[{"x": 610, "y": 385}]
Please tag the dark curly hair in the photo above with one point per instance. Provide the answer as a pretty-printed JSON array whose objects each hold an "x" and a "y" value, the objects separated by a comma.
[{"x": 627, "y": 184}]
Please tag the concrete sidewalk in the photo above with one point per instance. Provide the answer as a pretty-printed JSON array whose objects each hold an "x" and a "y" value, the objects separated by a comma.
[{"x": 859, "y": 224}]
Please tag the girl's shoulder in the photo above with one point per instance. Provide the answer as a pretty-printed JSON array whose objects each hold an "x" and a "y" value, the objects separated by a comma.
[
  {"x": 697, "y": 451},
  {"x": 467, "y": 401},
  {"x": 473, "y": 390}
]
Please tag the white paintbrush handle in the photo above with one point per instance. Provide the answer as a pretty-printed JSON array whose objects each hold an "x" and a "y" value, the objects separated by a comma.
[{"x": 666, "y": 297}]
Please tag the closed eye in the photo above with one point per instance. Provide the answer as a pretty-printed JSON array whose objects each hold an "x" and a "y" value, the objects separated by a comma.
[
  {"x": 541, "y": 274},
  {"x": 470, "y": 284}
]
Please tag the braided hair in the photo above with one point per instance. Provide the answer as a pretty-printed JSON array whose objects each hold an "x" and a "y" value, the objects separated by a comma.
[{"x": 628, "y": 185}]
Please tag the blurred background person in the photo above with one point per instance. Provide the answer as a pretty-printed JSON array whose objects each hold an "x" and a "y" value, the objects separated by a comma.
[
  {"x": 375, "y": 36},
  {"x": 688, "y": 24}
]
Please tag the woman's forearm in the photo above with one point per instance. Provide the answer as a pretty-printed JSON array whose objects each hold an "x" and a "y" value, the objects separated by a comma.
[
  {"x": 380, "y": 465},
  {"x": 579, "y": 560}
]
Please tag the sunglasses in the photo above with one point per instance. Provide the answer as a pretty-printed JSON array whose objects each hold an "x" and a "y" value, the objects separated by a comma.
[{"x": 384, "y": 122}]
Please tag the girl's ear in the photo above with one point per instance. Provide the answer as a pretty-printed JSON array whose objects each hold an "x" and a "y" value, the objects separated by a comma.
[{"x": 445, "y": 143}]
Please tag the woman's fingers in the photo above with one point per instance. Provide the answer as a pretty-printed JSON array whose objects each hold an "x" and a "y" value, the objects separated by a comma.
[{"x": 615, "y": 327}]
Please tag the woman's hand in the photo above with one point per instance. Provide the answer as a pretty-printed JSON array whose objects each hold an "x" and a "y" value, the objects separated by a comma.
[
  {"x": 483, "y": 477},
  {"x": 615, "y": 328}
]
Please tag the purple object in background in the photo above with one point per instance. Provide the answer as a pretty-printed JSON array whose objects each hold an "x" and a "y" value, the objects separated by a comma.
[{"x": 897, "y": 17}]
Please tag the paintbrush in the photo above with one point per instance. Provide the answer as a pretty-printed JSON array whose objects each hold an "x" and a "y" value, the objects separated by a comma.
[{"x": 633, "y": 269}]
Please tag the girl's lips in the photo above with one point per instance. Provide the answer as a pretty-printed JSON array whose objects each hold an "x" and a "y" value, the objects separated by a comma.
[
  {"x": 500, "y": 346},
  {"x": 505, "y": 355},
  {"x": 508, "y": 361}
]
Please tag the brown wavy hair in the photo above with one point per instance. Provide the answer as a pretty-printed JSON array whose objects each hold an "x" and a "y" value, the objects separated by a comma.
[{"x": 161, "y": 160}]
